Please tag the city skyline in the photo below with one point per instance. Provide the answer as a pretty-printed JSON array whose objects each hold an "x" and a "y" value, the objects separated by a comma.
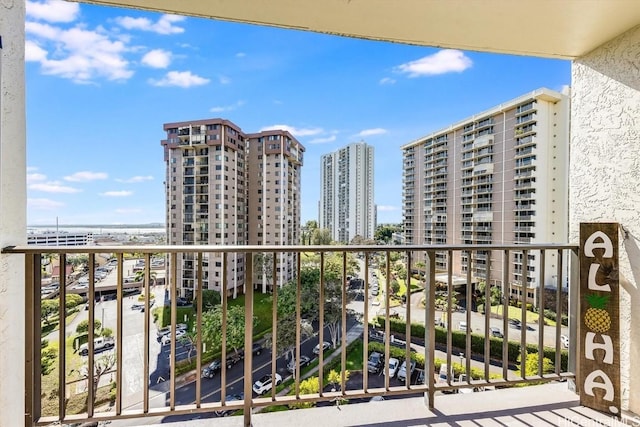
[{"x": 105, "y": 80}]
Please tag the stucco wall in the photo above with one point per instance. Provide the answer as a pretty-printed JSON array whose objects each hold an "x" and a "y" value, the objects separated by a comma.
[
  {"x": 12, "y": 211},
  {"x": 605, "y": 174}
]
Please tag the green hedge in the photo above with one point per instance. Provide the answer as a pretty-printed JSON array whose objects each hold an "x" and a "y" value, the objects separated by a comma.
[{"x": 458, "y": 340}]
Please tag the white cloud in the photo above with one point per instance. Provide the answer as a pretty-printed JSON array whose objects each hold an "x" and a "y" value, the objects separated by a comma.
[
  {"x": 240, "y": 55},
  {"x": 385, "y": 208},
  {"x": 136, "y": 179},
  {"x": 44, "y": 204},
  {"x": 53, "y": 10},
  {"x": 231, "y": 107},
  {"x": 157, "y": 58},
  {"x": 441, "y": 62},
  {"x": 86, "y": 176},
  {"x": 53, "y": 187},
  {"x": 33, "y": 52},
  {"x": 121, "y": 193},
  {"x": 323, "y": 140},
  {"x": 32, "y": 169},
  {"x": 294, "y": 131},
  {"x": 164, "y": 25},
  {"x": 374, "y": 131},
  {"x": 35, "y": 177},
  {"x": 224, "y": 80},
  {"x": 387, "y": 81},
  {"x": 182, "y": 79},
  {"x": 77, "y": 53}
]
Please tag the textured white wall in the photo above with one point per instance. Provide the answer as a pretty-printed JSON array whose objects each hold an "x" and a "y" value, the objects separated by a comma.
[
  {"x": 605, "y": 174},
  {"x": 12, "y": 211}
]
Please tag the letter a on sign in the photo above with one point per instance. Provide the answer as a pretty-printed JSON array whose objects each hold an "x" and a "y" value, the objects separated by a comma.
[{"x": 599, "y": 324}]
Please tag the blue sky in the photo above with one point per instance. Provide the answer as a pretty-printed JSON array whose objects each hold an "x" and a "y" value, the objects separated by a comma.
[{"x": 101, "y": 82}]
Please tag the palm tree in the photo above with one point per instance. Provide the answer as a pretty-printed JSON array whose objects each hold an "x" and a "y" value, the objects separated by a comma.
[{"x": 139, "y": 276}]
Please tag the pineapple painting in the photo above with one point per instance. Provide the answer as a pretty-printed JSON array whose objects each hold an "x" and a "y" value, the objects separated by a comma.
[{"x": 596, "y": 318}]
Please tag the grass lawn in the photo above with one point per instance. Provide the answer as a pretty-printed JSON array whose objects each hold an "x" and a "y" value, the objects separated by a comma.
[
  {"x": 53, "y": 323},
  {"x": 415, "y": 286},
  {"x": 516, "y": 313},
  {"x": 76, "y": 402}
]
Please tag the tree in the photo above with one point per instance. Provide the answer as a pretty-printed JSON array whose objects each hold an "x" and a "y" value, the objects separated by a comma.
[
  {"x": 210, "y": 299},
  {"x": 83, "y": 326},
  {"x": 49, "y": 354},
  {"x": 107, "y": 332},
  {"x": 212, "y": 327},
  {"x": 531, "y": 365},
  {"x": 191, "y": 339},
  {"x": 263, "y": 267},
  {"x": 334, "y": 378},
  {"x": 495, "y": 295},
  {"x": 102, "y": 365},
  {"x": 286, "y": 330},
  {"x": 394, "y": 287},
  {"x": 307, "y": 232},
  {"x": 321, "y": 236},
  {"x": 139, "y": 276},
  {"x": 72, "y": 300},
  {"x": 384, "y": 232},
  {"x": 309, "y": 386},
  {"x": 48, "y": 308}
]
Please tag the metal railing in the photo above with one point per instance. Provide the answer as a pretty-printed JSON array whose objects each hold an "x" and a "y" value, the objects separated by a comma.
[{"x": 489, "y": 360}]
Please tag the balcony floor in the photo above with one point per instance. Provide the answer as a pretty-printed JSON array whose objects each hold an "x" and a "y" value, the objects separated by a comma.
[{"x": 543, "y": 405}]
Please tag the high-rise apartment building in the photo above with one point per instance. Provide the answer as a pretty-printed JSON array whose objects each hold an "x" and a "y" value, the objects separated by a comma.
[
  {"x": 217, "y": 177},
  {"x": 346, "y": 203},
  {"x": 274, "y": 165},
  {"x": 498, "y": 177}
]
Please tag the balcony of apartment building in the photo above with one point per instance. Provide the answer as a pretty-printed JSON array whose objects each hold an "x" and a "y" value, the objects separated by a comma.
[{"x": 605, "y": 91}]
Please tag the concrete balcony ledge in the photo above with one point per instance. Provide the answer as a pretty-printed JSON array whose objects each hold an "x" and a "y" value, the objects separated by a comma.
[{"x": 543, "y": 405}]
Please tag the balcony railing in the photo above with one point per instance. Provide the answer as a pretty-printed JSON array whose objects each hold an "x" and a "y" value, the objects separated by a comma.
[{"x": 162, "y": 393}]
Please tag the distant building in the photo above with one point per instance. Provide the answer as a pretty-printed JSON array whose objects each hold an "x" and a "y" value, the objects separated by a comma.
[
  {"x": 227, "y": 187},
  {"x": 498, "y": 177},
  {"x": 346, "y": 206},
  {"x": 60, "y": 239}
]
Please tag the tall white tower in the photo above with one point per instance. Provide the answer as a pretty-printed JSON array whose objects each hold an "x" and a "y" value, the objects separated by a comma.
[{"x": 347, "y": 208}]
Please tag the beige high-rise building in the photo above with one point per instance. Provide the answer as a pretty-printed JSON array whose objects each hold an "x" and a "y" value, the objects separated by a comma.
[
  {"x": 498, "y": 177},
  {"x": 217, "y": 177},
  {"x": 274, "y": 163}
]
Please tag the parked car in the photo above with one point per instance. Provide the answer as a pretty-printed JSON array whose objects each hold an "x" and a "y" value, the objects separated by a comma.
[
  {"x": 231, "y": 398},
  {"x": 234, "y": 358},
  {"x": 256, "y": 349},
  {"x": 496, "y": 332},
  {"x": 392, "y": 367},
  {"x": 137, "y": 307},
  {"x": 211, "y": 369},
  {"x": 166, "y": 339},
  {"x": 265, "y": 384},
  {"x": 325, "y": 346},
  {"x": 402, "y": 373},
  {"x": 99, "y": 344},
  {"x": 375, "y": 363},
  {"x": 304, "y": 361}
]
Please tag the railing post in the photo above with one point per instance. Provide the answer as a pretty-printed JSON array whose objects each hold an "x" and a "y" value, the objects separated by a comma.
[
  {"x": 574, "y": 297},
  {"x": 248, "y": 338},
  {"x": 430, "y": 333},
  {"x": 33, "y": 335}
]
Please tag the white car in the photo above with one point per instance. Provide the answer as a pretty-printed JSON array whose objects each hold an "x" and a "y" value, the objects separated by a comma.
[
  {"x": 392, "y": 367},
  {"x": 402, "y": 373},
  {"x": 166, "y": 339},
  {"x": 265, "y": 384},
  {"x": 325, "y": 346}
]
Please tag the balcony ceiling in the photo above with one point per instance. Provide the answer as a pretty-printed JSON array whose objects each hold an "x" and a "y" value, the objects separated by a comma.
[{"x": 547, "y": 28}]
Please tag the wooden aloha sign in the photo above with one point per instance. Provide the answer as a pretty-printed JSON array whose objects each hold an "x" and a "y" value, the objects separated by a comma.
[{"x": 599, "y": 330}]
